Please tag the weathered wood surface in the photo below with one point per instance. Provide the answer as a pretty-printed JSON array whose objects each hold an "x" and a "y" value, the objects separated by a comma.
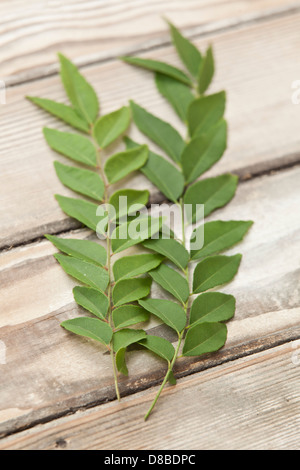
[
  {"x": 257, "y": 75},
  {"x": 89, "y": 31},
  {"x": 249, "y": 404},
  {"x": 256, "y": 397},
  {"x": 59, "y": 373}
]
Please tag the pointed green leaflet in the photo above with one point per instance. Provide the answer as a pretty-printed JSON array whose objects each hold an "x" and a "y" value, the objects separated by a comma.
[
  {"x": 135, "y": 232},
  {"x": 213, "y": 193},
  {"x": 135, "y": 201},
  {"x": 205, "y": 112},
  {"x": 128, "y": 315},
  {"x": 206, "y": 71},
  {"x": 204, "y": 151},
  {"x": 124, "y": 338},
  {"x": 220, "y": 236},
  {"x": 169, "y": 312},
  {"x": 90, "y": 328},
  {"x": 189, "y": 54},
  {"x": 63, "y": 112},
  {"x": 110, "y": 127},
  {"x": 130, "y": 290},
  {"x": 84, "y": 211},
  {"x": 172, "y": 282},
  {"x": 215, "y": 271},
  {"x": 85, "y": 272},
  {"x": 161, "y": 67},
  {"x": 204, "y": 338},
  {"x": 92, "y": 300},
  {"x": 121, "y": 164},
  {"x": 170, "y": 248},
  {"x": 179, "y": 95},
  {"x": 159, "y": 346},
  {"x": 212, "y": 307},
  {"x": 135, "y": 265},
  {"x": 80, "y": 92},
  {"x": 165, "y": 176},
  {"x": 121, "y": 362},
  {"x": 161, "y": 132},
  {"x": 82, "y": 249},
  {"x": 84, "y": 182},
  {"x": 73, "y": 146}
]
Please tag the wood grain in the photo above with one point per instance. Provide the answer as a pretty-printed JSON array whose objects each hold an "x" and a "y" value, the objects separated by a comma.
[
  {"x": 49, "y": 372},
  {"x": 89, "y": 31},
  {"x": 248, "y": 404},
  {"x": 256, "y": 74}
]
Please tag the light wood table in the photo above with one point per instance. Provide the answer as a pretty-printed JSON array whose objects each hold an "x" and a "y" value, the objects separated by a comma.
[{"x": 56, "y": 391}]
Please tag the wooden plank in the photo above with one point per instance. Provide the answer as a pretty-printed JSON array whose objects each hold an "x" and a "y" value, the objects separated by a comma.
[
  {"x": 49, "y": 372},
  {"x": 89, "y": 31},
  {"x": 257, "y": 74},
  {"x": 248, "y": 404}
]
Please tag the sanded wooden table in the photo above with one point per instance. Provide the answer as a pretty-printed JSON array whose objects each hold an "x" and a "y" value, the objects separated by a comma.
[{"x": 56, "y": 391}]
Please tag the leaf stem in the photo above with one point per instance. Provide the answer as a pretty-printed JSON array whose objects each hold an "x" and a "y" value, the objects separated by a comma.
[
  {"x": 180, "y": 335},
  {"x": 109, "y": 270},
  {"x": 170, "y": 369}
]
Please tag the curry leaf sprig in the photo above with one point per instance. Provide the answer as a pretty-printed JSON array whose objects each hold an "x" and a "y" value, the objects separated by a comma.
[
  {"x": 109, "y": 289},
  {"x": 116, "y": 290},
  {"x": 198, "y": 320}
]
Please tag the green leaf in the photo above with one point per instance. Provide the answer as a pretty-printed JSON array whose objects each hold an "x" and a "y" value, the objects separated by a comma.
[
  {"x": 172, "y": 282},
  {"x": 90, "y": 328},
  {"x": 80, "y": 92},
  {"x": 130, "y": 290},
  {"x": 189, "y": 54},
  {"x": 128, "y": 315},
  {"x": 136, "y": 200},
  {"x": 172, "y": 379},
  {"x": 206, "y": 71},
  {"x": 160, "y": 132},
  {"x": 169, "y": 312},
  {"x": 121, "y": 362},
  {"x": 204, "y": 338},
  {"x": 111, "y": 126},
  {"x": 85, "y": 182},
  {"x": 135, "y": 232},
  {"x": 132, "y": 266},
  {"x": 82, "y": 249},
  {"x": 170, "y": 248},
  {"x": 121, "y": 164},
  {"x": 212, "y": 307},
  {"x": 84, "y": 211},
  {"x": 205, "y": 112},
  {"x": 204, "y": 151},
  {"x": 168, "y": 179},
  {"x": 124, "y": 338},
  {"x": 215, "y": 271},
  {"x": 179, "y": 95},
  {"x": 212, "y": 192},
  {"x": 63, "y": 112},
  {"x": 159, "y": 346},
  {"x": 73, "y": 146},
  {"x": 92, "y": 300},
  {"x": 87, "y": 273},
  {"x": 161, "y": 67},
  {"x": 219, "y": 236}
]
